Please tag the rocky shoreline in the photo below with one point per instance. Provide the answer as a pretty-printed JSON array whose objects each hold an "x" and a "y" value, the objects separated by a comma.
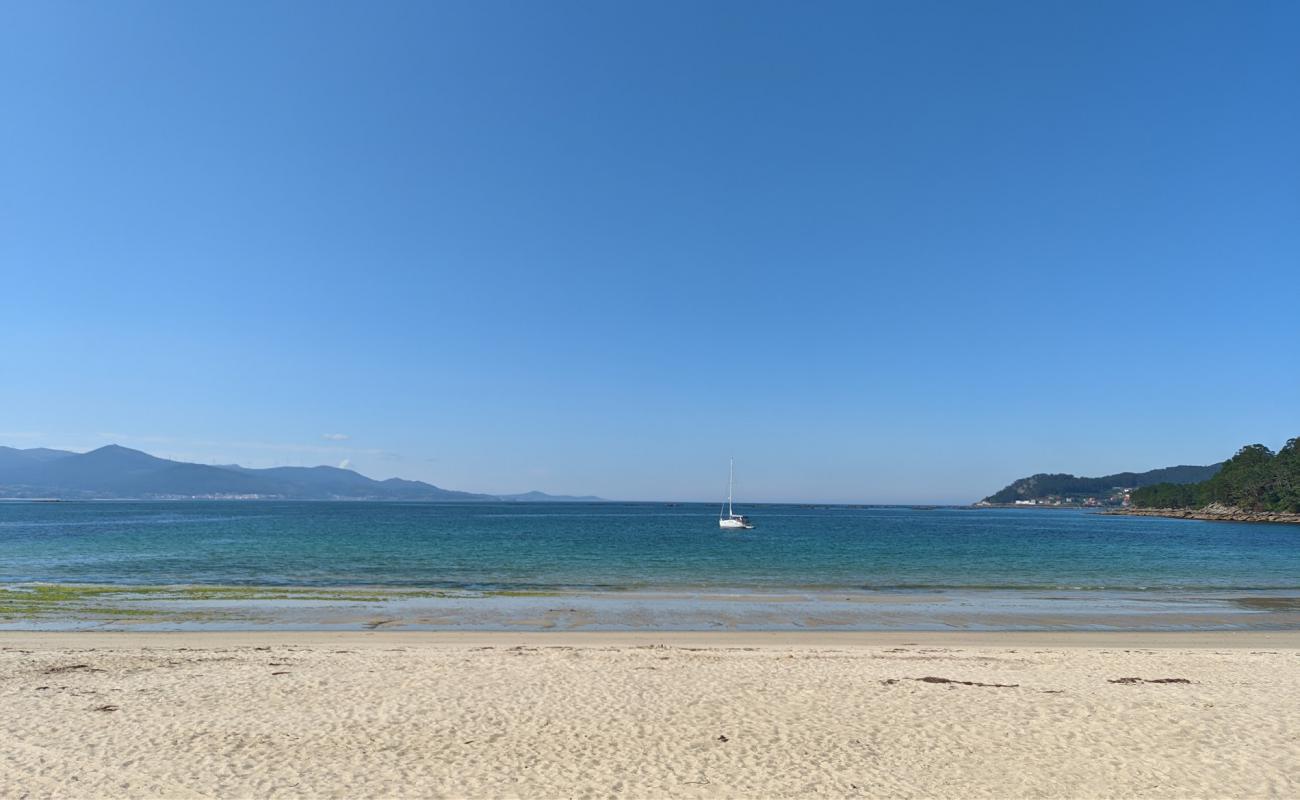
[{"x": 1213, "y": 512}]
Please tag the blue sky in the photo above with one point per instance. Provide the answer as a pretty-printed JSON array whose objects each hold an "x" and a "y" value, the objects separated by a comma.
[{"x": 879, "y": 252}]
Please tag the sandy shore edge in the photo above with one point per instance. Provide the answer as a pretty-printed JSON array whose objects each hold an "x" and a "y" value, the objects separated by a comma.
[{"x": 1180, "y": 640}]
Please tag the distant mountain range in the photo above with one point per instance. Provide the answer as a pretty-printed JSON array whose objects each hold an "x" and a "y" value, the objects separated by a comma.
[
  {"x": 115, "y": 472},
  {"x": 1044, "y": 486}
]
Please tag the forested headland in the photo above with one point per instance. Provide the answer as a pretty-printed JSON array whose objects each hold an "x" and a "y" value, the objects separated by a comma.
[{"x": 1255, "y": 479}]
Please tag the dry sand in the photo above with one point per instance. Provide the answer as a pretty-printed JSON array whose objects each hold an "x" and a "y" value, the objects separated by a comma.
[{"x": 649, "y": 715}]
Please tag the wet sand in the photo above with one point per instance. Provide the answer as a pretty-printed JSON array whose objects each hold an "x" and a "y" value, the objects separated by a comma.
[{"x": 368, "y": 608}]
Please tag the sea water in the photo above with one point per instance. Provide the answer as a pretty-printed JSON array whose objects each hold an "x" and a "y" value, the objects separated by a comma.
[{"x": 623, "y": 547}]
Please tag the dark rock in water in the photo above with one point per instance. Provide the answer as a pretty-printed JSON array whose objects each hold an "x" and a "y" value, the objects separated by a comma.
[{"x": 1214, "y": 513}]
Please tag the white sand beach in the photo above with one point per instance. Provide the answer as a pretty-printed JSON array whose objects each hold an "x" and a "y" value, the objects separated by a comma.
[{"x": 643, "y": 715}]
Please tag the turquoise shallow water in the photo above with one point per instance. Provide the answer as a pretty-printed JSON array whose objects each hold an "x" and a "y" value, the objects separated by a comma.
[{"x": 617, "y": 547}]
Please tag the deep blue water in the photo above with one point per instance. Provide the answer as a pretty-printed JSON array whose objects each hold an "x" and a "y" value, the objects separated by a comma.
[{"x": 633, "y": 546}]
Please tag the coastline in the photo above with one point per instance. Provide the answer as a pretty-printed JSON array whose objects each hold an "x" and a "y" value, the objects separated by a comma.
[
  {"x": 649, "y": 714},
  {"x": 69, "y": 607},
  {"x": 1210, "y": 513}
]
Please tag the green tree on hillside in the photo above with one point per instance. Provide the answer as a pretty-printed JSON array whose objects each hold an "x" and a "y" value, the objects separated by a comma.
[
  {"x": 1286, "y": 486},
  {"x": 1255, "y": 479}
]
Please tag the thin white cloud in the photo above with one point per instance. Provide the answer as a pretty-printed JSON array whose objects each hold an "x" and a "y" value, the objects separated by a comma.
[
  {"x": 345, "y": 463},
  {"x": 296, "y": 448},
  {"x": 335, "y": 437}
]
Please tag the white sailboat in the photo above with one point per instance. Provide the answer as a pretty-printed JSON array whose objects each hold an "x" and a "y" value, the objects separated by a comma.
[{"x": 731, "y": 520}]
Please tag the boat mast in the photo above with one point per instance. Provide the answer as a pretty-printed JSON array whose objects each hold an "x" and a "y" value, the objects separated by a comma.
[{"x": 731, "y": 482}]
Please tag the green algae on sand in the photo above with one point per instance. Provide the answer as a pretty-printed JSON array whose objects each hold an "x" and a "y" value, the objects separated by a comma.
[{"x": 44, "y": 601}]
